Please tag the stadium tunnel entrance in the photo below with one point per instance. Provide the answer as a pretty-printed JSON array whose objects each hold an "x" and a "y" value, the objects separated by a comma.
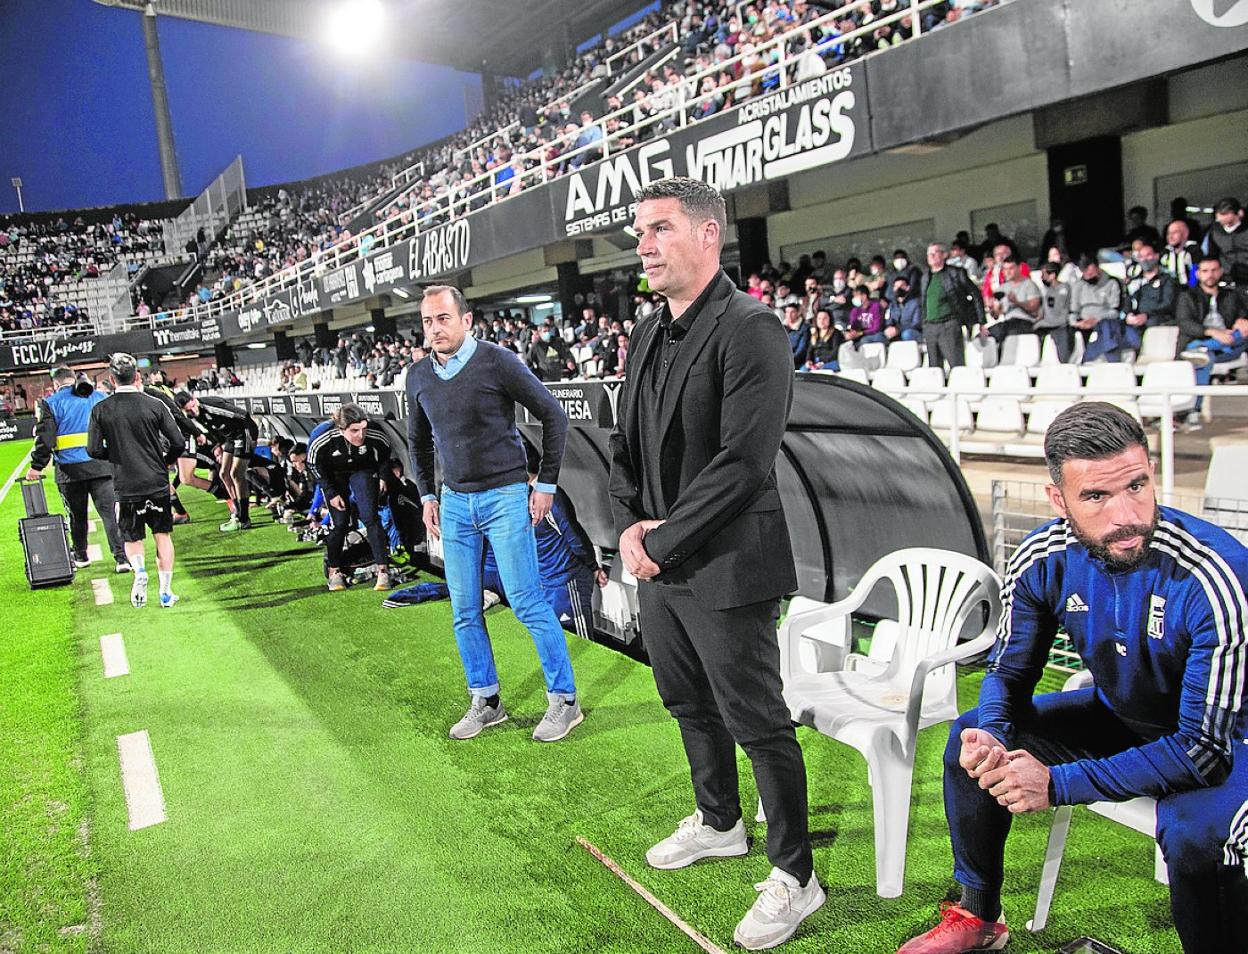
[{"x": 860, "y": 477}]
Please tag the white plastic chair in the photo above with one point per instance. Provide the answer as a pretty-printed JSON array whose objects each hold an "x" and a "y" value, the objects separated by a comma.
[
  {"x": 1158, "y": 344},
  {"x": 878, "y": 703},
  {"x": 1137, "y": 813},
  {"x": 1021, "y": 350},
  {"x": 847, "y": 356},
  {"x": 1224, "y": 498},
  {"x": 926, "y": 377},
  {"x": 1104, "y": 379},
  {"x": 855, "y": 374},
  {"x": 904, "y": 355},
  {"x": 890, "y": 380},
  {"x": 968, "y": 377},
  {"x": 1163, "y": 374},
  {"x": 1000, "y": 421},
  {"x": 873, "y": 355}
]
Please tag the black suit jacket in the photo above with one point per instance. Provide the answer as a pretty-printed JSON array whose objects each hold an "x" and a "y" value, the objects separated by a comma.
[{"x": 724, "y": 413}]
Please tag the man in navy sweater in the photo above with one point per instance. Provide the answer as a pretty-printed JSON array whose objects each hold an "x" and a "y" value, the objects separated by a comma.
[
  {"x": 462, "y": 401},
  {"x": 1153, "y": 600}
]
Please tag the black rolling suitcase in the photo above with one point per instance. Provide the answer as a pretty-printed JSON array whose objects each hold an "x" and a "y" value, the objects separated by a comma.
[{"x": 45, "y": 540}]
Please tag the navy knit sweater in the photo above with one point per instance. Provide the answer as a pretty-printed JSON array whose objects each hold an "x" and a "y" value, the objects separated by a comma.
[{"x": 471, "y": 420}]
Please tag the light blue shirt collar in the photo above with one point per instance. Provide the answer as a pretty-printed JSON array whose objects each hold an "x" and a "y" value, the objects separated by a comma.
[{"x": 455, "y": 363}]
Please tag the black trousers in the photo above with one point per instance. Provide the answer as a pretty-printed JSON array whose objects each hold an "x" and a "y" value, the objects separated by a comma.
[
  {"x": 100, "y": 489},
  {"x": 944, "y": 344},
  {"x": 1063, "y": 340},
  {"x": 718, "y": 674}
]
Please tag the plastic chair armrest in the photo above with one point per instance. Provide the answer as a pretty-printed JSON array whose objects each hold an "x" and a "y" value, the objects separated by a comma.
[{"x": 914, "y": 706}]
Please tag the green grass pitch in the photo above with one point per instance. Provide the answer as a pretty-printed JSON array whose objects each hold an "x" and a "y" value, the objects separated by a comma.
[{"x": 315, "y": 803}]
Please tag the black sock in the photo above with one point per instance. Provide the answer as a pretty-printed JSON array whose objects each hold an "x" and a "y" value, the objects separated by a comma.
[
  {"x": 177, "y": 504},
  {"x": 493, "y": 701},
  {"x": 982, "y": 902},
  {"x": 243, "y": 509}
]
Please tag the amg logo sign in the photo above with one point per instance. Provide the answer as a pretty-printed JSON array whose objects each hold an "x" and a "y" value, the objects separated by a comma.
[{"x": 806, "y": 126}]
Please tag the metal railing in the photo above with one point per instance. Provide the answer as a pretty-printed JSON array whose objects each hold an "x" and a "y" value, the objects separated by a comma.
[
  {"x": 212, "y": 210},
  {"x": 483, "y": 190},
  {"x": 669, "y": 27},
  {"x": 47, "y": 332}
]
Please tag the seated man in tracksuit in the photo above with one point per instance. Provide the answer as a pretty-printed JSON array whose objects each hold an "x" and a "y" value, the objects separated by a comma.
[
  {"x": 348, "y": 460},
  {"x": 566, "y": 566},
  {"x": 1153, "y": 600}
]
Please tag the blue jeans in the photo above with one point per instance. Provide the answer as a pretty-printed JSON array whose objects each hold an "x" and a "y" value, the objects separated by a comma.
[
  {"x": 500, "y": 516},
  {"x": 1219, "y": 353}
]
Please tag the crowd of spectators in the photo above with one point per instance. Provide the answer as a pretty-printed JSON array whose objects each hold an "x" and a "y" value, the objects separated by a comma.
[
  {"x": 37, "y": 258},
  {"x": 550, "y": 125},
  {"x": 865, "y": 299}
]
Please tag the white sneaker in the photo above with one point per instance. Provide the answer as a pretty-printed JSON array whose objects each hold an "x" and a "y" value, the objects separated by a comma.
[
  {"x": 694, "y": 840},
  {"x": 138, "y": 592},
  {"x": 782, "y": 905}
]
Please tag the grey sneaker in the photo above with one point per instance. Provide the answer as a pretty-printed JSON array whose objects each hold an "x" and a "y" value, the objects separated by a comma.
[
  {"x": 478, "y": 718},
  {"x": 782, "y": 905},
  {"x": 694, "y": 840},
  {"x": 1197, "y": 356},
  {"x": 561, "y": 718}
]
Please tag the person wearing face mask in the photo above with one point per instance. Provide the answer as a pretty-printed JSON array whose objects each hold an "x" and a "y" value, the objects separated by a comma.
[
  {"x": 902, "y": 267},
  {"x": 549, "y": 355},
  {"x": 1150, "y": 296},
  {"x": 812, "y": 301},
  {"x": 839, "y": 299},
  {"x": 866, "y": 319},
  {"x": 1055, "y": 314},
  {"x": 904, "y": 319},
  {"x": 1095, "y": 308},
  {"x": 875, "y": 276}
]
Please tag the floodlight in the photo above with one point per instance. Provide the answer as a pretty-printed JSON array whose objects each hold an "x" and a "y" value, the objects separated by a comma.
[{"x": 354, "y": 27}]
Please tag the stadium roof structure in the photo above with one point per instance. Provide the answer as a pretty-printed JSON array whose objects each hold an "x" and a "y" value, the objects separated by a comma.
[{"x": 505, "y": 37}]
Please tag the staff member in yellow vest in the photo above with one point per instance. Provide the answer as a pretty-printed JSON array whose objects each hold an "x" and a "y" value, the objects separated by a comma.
[{"x": 61, "y": 434}]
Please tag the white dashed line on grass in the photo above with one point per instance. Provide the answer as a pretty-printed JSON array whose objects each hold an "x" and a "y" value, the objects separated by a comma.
[
  {"x": 90, "y": 526},
  {"x": 17, "y": 472},
  {"x": 145, "y": 803},
  {"x": 94, "y": 553},
  {"x": 103, "y": 592},
  {"x": 114, "y": 652}
]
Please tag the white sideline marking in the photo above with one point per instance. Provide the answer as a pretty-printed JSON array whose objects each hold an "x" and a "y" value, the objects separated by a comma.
[
  {"x": 18, "y": 471},
  {"x": 114, "y": 652},
  {"x": 145, "y": 803},
  {"x": 90, "y": 526},
  {"x": 94, "y": 553},
  {"x": 103, "y": 592}
]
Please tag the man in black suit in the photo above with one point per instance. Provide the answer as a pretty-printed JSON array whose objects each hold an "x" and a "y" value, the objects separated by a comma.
[{"x": 706, "y": 396}]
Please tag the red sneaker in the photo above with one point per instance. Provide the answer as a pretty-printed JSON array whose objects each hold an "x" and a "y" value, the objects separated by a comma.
[{"x": 959, "y": 932}]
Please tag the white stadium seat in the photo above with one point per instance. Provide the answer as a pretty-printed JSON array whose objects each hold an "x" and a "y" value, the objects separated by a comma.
[
  {"x": 904, "y": 355},
  {"x": 1159, "y": 344},
  {"x": 1167, "y": 374},
  {"x": 1103, "y": 382},
  {"x": 1020, "y": 350}
]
